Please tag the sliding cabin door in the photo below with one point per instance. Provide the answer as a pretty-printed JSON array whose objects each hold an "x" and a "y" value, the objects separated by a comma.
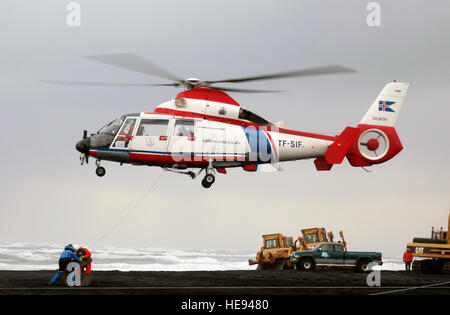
[{"x": 152, "y": 136}]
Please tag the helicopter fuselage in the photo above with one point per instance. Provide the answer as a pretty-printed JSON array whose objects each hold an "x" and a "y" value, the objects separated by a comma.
[
  {"x": 202, "y": 127},
  {"x": 192, "y": 141}
]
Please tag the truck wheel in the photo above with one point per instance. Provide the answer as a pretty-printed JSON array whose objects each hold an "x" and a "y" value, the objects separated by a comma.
[
  {"x": 306, "y": 264},
  {"x": 363, "y": 265}
]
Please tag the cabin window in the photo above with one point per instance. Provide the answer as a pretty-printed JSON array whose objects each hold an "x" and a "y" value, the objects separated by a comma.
[
  {"x": 271, "y": 244},
  {"x": 252, "y": 117},
  {"x": 153, "y": 127},
  {"x": 289, "y": 242},
  {"x": 338, "y": 248},
  {"x": 184, "y": 128},
  {"x": 327, "y": 247},
  {"x": 311, "y": 238}
]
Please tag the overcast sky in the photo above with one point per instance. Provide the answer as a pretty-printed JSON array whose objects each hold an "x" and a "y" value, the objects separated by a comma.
[{"x": 46, "y": 196}]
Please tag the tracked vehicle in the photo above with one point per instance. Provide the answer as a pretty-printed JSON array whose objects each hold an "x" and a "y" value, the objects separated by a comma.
[{"x": 433, "y": 252}]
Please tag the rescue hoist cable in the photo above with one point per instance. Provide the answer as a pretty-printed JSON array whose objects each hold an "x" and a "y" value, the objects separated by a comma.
[{"x": 130, "y": 211}]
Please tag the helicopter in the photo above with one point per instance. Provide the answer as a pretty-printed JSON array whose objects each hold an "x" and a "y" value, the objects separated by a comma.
[{"x": 205, "y": 129}]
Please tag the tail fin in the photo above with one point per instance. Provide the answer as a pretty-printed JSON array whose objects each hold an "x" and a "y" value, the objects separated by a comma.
[
  {"x": 374, "y": 140},
  {"x": 384, "y": 111}
]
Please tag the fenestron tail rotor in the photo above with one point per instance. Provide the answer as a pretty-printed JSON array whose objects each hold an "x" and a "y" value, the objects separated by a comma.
[
  {"x": 373, "y": 144},
  {"x": 138, "y": 64}
]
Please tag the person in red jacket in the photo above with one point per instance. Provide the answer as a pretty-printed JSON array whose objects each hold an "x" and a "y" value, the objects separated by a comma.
[
  {"x": 408, "y": 259},
  {"x": 85, "y": 256}
]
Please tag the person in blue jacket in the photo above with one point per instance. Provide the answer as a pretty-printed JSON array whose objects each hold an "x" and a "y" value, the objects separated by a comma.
[{"x": 67, "y": 256}]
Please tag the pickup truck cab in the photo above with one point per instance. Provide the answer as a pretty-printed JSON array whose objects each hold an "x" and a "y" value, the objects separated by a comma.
[{"x": 334, "y": 255}]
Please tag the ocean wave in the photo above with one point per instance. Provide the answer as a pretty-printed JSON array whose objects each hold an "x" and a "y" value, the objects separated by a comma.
[{"x": 21, "y": 256}]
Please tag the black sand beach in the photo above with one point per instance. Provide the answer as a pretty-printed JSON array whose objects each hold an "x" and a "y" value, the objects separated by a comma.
[{"x": 246, "y": 282}]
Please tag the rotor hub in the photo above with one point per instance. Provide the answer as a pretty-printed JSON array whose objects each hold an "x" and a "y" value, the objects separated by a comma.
[
  {"x": 373, "y": 144},
  {"x": 192, "y": 83},
  {"x": 192, "y": 80}
]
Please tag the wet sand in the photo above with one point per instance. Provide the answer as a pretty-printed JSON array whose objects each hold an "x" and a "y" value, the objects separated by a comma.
[{"x": 267, "y": 282}]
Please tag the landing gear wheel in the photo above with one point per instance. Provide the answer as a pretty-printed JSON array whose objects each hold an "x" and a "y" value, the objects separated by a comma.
[
  {"x": 208, "y": 180},
  {"x": 100, "y": 171}
]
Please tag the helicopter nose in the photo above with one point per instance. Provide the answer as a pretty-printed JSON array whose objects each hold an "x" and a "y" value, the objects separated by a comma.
[{"x": 83, "y": 145}]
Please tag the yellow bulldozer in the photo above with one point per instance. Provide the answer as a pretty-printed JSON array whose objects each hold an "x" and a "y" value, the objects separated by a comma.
[
  {"x": 276, "y": 249},
  {"x": 433, "y": 252}
]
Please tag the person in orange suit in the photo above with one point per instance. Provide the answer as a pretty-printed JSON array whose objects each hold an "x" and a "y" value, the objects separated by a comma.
[
  {"x": 85, "y": 256},
  {"x": 408, "y": 259}
]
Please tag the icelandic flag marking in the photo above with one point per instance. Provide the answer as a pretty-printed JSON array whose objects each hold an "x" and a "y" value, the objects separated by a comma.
[{"x": 384, "y": 106}]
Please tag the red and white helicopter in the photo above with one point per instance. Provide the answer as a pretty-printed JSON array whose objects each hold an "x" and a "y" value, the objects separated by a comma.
[{"x": 204, "y": 128}]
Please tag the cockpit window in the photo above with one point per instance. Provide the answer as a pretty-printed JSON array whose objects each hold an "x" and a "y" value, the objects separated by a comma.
[{"x": 113, "y": 126}]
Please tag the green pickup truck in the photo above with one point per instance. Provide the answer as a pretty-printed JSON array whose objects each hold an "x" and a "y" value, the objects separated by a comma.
[{"x": 334, "y": 255}]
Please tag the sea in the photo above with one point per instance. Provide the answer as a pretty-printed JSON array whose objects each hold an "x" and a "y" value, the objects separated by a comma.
[{"x": 21, "y": 256}]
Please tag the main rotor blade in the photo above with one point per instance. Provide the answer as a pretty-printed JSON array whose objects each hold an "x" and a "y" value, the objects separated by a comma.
[
  {"x": 134, "y": 63},
  {"x": 85, "y": 83},
  {"x": 243, "y": 90},
  {"x": 295, "y": 73}
]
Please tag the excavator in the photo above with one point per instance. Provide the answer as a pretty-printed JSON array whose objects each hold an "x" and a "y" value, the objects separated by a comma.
[
  {"x": 277, "y": 248},
  {"x": 433, "y": 252}
]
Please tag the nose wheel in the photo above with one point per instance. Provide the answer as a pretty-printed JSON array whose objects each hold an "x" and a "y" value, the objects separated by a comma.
[
  {"x": 208, "y": 180},
  {"x": 100, "y": 171}
]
